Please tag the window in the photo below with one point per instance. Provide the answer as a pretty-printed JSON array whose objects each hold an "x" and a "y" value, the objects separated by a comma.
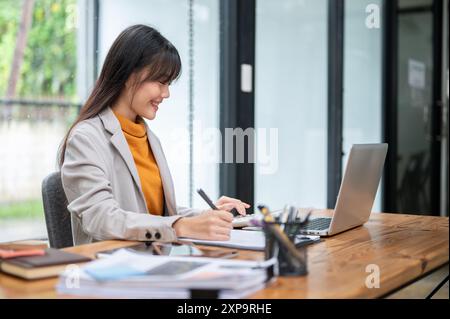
[
  {"x": 362, "y": 79},
  {"x": 291, "y": 95},
  {"x": 38, "y": 101}
]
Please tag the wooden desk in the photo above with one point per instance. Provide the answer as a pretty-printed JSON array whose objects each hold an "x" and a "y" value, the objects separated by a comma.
[{"x": 405, "y": 248}]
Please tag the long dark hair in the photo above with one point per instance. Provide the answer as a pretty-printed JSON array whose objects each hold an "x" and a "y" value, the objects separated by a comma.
[{"x": 137, "y": 48}]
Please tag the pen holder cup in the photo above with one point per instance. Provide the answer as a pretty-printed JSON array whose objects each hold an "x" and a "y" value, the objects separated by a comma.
[{"x": 288, "y": 263}]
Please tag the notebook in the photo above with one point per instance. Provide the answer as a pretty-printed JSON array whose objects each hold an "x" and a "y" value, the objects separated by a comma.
[
  {"x": 35, "y": 267},
  {"x": 6, "y": 254}
]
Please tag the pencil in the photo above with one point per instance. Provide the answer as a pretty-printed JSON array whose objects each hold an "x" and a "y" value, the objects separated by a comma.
[{"x": 279, "y": 234}]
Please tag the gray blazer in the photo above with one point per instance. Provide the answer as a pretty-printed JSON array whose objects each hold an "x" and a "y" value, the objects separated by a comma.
[{"x": 103, "y": 189}]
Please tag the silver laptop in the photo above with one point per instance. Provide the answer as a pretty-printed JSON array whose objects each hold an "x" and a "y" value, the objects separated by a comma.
[{"x": 357, "y": 192}]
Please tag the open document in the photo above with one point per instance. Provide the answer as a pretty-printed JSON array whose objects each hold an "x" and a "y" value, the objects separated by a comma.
[
  {"x": 245, "y": 239},
  {"x": 127, "y": 274}
]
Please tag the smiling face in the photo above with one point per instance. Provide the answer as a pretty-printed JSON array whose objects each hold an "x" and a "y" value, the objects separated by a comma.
[
  {"x": 147, "y": 97},
  {"x": 141, "y": 97}
]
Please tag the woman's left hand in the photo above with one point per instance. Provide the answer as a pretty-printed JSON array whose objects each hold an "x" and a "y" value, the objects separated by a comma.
[{"x": 228, "y": 203}]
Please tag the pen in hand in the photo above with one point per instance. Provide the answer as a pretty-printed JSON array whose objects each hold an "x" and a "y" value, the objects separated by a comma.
[
  {"x": 211, "y": 204},
  {"x": 206, "y": 198}
]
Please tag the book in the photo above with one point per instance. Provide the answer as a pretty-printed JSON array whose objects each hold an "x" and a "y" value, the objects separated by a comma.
[
  {"x": 7, "y": 253},
  {"x": 51, "y": 264},
  {"x": 24, "y": 245}
]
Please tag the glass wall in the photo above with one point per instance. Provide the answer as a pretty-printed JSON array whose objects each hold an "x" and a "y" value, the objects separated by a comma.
[
  {"x": 175, "y": 123},
  {"x": 414, "y": 103},
  {"x": 41, "y": 91},
  {"x": 362, "y": 76},
  {"x": 291, "y": 97}
]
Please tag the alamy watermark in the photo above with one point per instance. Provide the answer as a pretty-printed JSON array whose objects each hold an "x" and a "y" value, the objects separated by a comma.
[
  {"x": 72, "y": 276},
  {"x": 373, "y": 16},
  {"x": 234, "y": 145},
  {"x": 373, "y": 279}
]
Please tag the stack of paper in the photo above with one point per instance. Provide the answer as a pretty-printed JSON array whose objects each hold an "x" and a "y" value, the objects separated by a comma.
[{"x": 127, "y": 274}]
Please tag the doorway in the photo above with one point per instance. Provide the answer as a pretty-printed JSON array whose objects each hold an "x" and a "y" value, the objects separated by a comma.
[{"x": 413, "y": 108}]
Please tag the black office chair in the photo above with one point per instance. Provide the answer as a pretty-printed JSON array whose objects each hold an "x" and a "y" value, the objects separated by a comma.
[{"x": 57, "y": 217}]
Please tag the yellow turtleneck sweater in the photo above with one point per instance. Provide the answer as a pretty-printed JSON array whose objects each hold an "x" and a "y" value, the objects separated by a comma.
[{"x": 136, "y": 136}]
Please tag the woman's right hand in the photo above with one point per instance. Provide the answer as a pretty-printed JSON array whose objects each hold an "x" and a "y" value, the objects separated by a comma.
[{"x": 210, "y": 225}]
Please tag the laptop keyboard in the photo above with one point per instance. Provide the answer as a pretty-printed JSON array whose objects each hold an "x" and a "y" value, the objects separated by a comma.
[{"x": 320, "y": 223}]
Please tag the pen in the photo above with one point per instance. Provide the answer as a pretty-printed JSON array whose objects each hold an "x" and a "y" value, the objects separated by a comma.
[
  {"x": 211, "y": 204},
  {"x": 289, "y": 226},
  {"x": 206, "y": 198},
  {"x": 291, "y": 216},
  {"x": 302, "y": 223},
  {"x": 284, "y": 216},
  {"x": 279, "y": 234}
]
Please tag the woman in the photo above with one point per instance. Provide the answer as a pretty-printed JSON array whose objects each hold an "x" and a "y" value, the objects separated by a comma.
[{"x": 113, "y": 168}]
